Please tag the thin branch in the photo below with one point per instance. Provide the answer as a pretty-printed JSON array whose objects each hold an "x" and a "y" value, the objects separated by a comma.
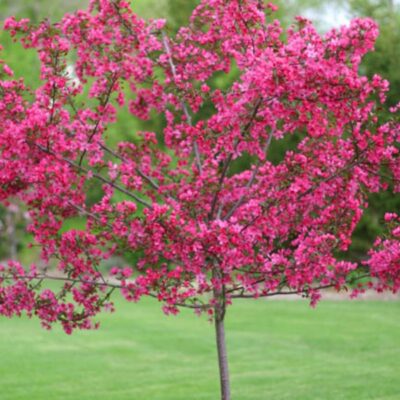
[
  {"x": 106, "y": 283},
  {"x": 123, "y": 20},
  {"x": 220, "y": 208},
  {"x": 294, "y": 292},
  {"x": 220, "y": 183},
  {"x": 96, "y": 127},
  {"x": 147, "y": 178},
  {"x": 183, "y": 104},
  {"x": 250, "y": 182},
  {"x": 117, "y": 155},
  {"x": 89, "y": 214},
  {"x": 253, "y": 116},
  {"x": 310, "y": 190},
  {"x": 229, "y": 159},
  {"x": 97, "y": 176}
]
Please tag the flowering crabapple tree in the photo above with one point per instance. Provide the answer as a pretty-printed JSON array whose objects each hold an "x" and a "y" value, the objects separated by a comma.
[{"x": 204, "y": 233}]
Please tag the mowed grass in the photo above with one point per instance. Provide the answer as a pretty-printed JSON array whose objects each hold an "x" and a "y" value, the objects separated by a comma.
[{"x": 277, "y": 349}]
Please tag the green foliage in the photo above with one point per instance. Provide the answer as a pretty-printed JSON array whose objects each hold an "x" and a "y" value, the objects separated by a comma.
[
  {"x": 179, "y": 12},
  {"x": 39, "y": 9},
  {"x": 385, "y": 60}
]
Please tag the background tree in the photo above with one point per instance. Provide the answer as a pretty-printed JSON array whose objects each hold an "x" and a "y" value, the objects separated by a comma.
[
  {"x": 39, "y": 9},
  {"x": 384, "y": 60},
  {"x": 386, "y": 57}
]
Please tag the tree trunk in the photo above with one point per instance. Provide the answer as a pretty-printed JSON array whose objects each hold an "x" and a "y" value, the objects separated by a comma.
[{"x": 222, "y": 355}]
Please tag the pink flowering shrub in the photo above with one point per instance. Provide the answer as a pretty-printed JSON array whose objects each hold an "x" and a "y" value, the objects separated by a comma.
[{"x": 204, "y": 234}]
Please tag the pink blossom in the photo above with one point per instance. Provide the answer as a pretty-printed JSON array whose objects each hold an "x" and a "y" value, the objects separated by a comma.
[{"x": 200, "y": 229}]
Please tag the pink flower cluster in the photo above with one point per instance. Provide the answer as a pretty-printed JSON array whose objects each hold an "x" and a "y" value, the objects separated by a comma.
[{"x": 200, "y": 229}]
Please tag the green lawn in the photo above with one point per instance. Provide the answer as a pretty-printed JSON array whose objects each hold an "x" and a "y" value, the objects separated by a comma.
[{"x": 278, "y": 350}]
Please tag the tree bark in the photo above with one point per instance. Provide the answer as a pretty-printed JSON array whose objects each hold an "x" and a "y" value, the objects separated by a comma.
[{"x": 222, "y": 354}]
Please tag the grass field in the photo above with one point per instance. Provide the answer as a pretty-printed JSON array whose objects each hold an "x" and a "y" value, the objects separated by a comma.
[{"x": 278, "y": 350}]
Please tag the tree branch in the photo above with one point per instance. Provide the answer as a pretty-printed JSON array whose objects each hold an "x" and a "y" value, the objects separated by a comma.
[
  {"x": 183, "y": 104},
  {"x": 292, "y": 292},
  {"x": 147, "y": 178},
  {"x": 89, "y": 214},
  {"x": 229, "y": 160},
  {"x": 104, "y": 283},
  {"x": 352, "y": 164},
  {"x": 103, "y": 103},
  {"x": 97, "y": 176},
  {"x": 250, "y": 182}
]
